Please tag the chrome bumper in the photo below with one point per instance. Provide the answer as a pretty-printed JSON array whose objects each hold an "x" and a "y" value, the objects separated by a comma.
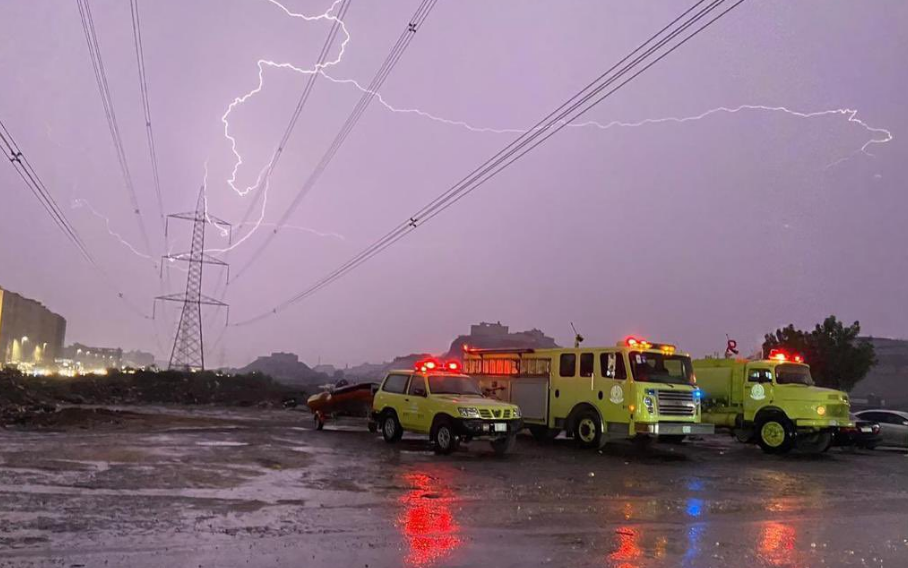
[{"x": 675, "y": 429}]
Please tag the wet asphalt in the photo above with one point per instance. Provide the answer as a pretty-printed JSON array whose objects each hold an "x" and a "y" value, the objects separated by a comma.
[{"x": 261, "y": 488}]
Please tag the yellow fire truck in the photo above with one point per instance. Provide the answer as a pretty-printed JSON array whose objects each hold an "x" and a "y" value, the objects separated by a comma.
[
  {"x": 636, "y": 390},
  {"x": 772, "y": 402}
]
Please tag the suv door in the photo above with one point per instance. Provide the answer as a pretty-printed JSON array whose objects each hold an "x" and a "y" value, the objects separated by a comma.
[{"x": 415, "y": 411}]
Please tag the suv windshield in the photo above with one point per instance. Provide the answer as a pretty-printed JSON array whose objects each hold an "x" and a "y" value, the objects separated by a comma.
[
  {"x": 793, "y": 375},
  {"x": 661, "y": 368},
  {"x": 453, "y": 384}
]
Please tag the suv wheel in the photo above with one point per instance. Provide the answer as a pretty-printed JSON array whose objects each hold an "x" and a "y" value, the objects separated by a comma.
[
  {"x": 391, "y": 429},
  {"x": 444, "y": 438}
]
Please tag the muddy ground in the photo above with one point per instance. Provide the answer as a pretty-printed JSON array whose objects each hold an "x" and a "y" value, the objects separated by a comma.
[{"x": 250, "y": 487}]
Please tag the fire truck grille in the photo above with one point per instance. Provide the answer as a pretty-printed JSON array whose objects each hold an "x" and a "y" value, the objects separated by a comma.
[
  {"x": 676, "y": 403},
  {"x": 485, "y": 413}
]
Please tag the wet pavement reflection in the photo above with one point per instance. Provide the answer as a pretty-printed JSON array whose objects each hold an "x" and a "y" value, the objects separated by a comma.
[{"x": 426, "y": 521}]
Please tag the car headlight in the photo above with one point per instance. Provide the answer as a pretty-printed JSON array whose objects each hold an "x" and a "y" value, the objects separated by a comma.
[
  {"x": 821, "y": 410},
  {"x": 468, "y": 412},
  {"x": 515, "y": 412},
  {"x": 650, "y": 404}
]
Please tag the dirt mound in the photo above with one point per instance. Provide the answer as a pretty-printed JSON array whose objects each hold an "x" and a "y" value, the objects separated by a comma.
[{"x": 22, "y": 397}]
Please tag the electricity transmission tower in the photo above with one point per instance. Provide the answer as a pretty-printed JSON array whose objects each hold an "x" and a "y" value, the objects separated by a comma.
[{"x": 188, "y": 348}]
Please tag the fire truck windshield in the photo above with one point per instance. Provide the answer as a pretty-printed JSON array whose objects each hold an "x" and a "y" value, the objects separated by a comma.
[
  {"x": 793, "y": 375},
  {"x": 453, "y": 384},
  {"x": 661, "y": 368}
]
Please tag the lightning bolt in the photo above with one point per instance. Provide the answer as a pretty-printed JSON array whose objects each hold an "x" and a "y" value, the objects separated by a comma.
[
  {"x": 262, "y": 63},
  {"x": 878, "y": 136},
  {"x": 80, "y": 203}
]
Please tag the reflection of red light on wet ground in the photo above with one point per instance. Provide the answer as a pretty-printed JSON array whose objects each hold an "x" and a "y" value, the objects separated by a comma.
[
  {"x": 628, "y": 551},
  {"x": 777, "y": 544},
  {"x": 427, "y": 522}
]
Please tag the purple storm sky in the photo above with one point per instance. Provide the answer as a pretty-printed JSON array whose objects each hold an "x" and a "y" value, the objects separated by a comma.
[{"x": 679, "y": 231}]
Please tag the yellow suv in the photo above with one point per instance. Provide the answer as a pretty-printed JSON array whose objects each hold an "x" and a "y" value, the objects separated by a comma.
[{"x": 438, "y": 400}]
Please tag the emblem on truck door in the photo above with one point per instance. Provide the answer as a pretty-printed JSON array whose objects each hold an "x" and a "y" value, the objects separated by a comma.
[
  {"x": 616, "y": 395},
  {"x": 757, "y": 392}
]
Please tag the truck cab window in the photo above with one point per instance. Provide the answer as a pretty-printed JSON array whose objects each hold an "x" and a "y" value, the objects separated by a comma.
[
  {"x": 586, "y": 364},
  {"x": 759, "y": 376},
  {"x": 567, "y": 365},
  {"x": 395, "y": 384},
  {"x": 612, "y": 365}
]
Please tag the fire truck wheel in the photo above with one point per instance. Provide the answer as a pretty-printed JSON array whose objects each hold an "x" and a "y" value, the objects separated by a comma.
[
  {"x": 391, "y": 429},
  {"x": 501, "y": 446},
  {"x": 775, "y": 434},
  {"x": 588, "y": 429},
  {"x": 319, "y": 421},
  {"x": 444, "y": 438}
]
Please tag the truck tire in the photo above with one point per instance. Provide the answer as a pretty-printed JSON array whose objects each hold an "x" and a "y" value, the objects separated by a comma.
[
  {"x": 543, "y": 434},
  {"x": 391, "y": 429},
  {"x": 815, "y": 443},
  {"x": 501, "y": 446},
  {"x": 444, "y": 438},
  {"x": 775, "y": 434},
  {"x": 588, "y": 429}
]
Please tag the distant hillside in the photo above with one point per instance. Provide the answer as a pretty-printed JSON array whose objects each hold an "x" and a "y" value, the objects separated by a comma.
[
  {"x": 376, "y": 371},
  {"x": 286, "y": 368},
  {"x": 484, "y": 335},
  {"x": 498, "y": 336},
  {"x": 889, "y": 378}
]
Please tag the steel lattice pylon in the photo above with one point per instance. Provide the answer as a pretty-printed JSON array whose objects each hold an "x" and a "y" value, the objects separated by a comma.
[{"x": 188, "y": 351}]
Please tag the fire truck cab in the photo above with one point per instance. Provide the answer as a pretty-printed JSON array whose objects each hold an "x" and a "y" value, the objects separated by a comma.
[{"x": 636, "y": 389}]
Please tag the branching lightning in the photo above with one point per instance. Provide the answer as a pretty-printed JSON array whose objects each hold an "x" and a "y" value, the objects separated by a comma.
[
  {"x": 262, "y": 63},
  {"x": 878, "y": 136}
]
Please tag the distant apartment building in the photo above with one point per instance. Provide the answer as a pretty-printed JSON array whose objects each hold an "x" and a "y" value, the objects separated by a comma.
[
  {"x": 89, "y": 357},
  {"x": 30, "y": 334}
]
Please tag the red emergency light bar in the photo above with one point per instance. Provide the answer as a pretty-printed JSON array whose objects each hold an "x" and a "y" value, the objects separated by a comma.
[
  {"x": 779, "y": 355},
  {"x": 451, "y": 366},
  {"x": 638, "y": 343}
]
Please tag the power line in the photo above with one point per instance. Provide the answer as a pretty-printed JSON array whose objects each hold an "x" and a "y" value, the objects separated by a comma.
[
  {"x": 403, "y": 41},
  {"x": 576, "y": 106},
  {"x": 146, "y": 107},
  {"x": 25, "y": 170},
  {"x": 94, "y": 50},
  {"x": 36, "y": 185}
]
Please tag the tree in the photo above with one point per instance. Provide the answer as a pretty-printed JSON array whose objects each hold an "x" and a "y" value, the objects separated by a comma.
[{"x": 837, "y": 358}]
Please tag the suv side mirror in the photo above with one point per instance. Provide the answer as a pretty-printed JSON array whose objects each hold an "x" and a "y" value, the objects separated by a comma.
[{"x": 419, "y": 392}]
